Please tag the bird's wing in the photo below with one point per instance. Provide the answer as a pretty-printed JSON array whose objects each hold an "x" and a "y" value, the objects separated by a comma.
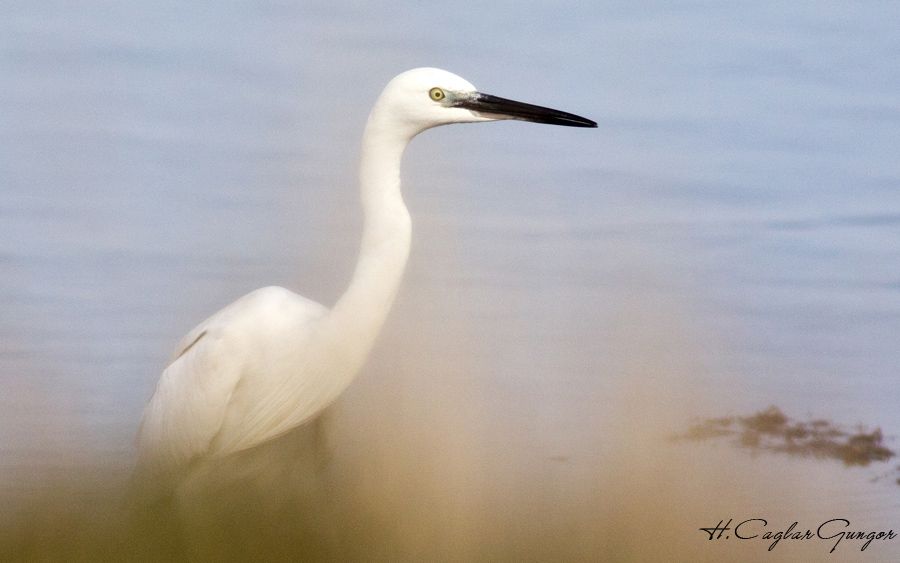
[
  {"x": 194, "y": 392},
  {"x": 192, "y": 337}
]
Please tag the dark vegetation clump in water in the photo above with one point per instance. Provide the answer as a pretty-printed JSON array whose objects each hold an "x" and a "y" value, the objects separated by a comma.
[{"x": 773, "y": 431}]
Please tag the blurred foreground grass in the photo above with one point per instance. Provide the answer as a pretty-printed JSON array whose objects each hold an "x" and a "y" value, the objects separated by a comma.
[
  {"x": 414, "y": 464},
  {"x": 299, "y": 499}
]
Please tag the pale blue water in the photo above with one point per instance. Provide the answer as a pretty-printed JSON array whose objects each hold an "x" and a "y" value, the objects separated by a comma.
[{"x": 159, "y": 160}]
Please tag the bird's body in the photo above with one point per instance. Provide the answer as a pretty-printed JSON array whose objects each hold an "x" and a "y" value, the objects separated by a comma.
[{"x": 273, "y": 360}]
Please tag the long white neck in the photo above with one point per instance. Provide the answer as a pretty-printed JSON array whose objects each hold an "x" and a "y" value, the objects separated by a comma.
[
  {"x": 360, "y": 313},
  {"x": 337, "y": 349}
]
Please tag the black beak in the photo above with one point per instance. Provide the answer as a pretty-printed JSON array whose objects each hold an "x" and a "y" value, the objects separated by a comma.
[{"x": 509, "y": 109}]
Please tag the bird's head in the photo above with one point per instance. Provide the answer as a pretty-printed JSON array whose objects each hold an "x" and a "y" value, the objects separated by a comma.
[{"x": 422, "y": 98}]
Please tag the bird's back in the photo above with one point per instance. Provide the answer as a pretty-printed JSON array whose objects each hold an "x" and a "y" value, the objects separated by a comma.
[{"x": 218, "y": 370}]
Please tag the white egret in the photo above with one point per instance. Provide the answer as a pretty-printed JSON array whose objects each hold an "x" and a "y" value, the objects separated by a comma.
[{"x": 273, "y": 360}]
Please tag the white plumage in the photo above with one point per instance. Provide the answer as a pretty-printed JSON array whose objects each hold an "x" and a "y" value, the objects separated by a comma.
[{"x": 273, "y": 360}]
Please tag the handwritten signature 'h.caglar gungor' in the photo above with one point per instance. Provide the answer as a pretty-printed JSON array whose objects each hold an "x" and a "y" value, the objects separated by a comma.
[{"x": 835, "y": 529}]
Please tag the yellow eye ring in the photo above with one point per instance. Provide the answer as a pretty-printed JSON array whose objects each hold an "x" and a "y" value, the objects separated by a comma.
[{"x": 436, "y": 94}]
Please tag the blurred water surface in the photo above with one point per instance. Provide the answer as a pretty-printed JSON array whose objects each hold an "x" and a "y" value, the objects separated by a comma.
[{"x": 734, "y": 221}]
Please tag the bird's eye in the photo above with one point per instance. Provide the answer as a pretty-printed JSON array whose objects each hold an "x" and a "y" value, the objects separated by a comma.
[{"x": 436, "y": 94}]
